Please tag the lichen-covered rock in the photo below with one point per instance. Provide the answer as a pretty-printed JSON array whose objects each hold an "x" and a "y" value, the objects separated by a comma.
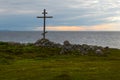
[
  {"x": 91, "y": 47},
  {"x": 99, "y": 52},
  {"x": 46, "y": 43}
]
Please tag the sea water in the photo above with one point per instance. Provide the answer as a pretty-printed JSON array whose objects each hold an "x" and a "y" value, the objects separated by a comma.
[{"x": 100, "y": 38}]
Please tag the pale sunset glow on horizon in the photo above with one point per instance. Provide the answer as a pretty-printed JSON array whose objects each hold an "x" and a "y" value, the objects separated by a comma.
[{"x": 102, "y": 27}]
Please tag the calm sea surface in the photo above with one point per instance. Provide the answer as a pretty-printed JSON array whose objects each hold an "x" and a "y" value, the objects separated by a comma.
[{"x": 111, "y": 39}]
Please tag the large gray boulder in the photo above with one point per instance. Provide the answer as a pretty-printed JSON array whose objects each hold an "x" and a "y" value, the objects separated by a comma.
[
  {"x": 66, "y": 43},
  {"x": 66, "y": 47}
]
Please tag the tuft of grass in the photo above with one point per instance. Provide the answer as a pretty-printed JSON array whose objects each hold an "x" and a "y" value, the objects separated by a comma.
[{"x": 63, "y": 77}]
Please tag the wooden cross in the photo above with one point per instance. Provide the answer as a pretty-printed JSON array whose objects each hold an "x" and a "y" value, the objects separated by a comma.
[{"x": 44, "y": 21}]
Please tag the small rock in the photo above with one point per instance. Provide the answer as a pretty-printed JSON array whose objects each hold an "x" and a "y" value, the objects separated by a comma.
[{"x": 99, "y": 52}]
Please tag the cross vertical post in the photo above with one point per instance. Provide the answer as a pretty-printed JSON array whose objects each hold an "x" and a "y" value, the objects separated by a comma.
[{"x": 44, "y": 21}]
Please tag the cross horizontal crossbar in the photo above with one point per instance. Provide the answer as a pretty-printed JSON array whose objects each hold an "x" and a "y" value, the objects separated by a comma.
[{"x": 44, "y": 17}]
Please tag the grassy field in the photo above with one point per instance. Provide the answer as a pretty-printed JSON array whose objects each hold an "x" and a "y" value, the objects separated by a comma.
[{"x": 34, "y": 63}]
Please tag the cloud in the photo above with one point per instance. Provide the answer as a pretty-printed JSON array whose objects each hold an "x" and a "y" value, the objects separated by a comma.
[
  {"x": 12, "y": 11},
  {"x": 2, "y": 10},
  {"x": 66, "y": 13},
  {"x": 26, "y": 11},
  {"x": 113, "y": 19}
]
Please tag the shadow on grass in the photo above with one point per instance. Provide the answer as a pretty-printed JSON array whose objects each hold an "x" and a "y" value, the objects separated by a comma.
[{"x": 63, "y": 77}]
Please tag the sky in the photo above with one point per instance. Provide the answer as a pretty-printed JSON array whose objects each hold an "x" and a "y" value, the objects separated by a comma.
[{"x": 68, "y": 15}]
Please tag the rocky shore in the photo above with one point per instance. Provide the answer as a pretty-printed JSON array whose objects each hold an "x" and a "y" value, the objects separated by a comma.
[{"x": 67, "y": 47}]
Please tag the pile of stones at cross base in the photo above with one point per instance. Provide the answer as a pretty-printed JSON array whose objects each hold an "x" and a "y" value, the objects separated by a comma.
[{"x": 67, "y": 47}]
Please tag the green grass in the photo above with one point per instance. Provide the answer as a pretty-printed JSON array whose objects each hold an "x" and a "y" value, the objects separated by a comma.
[
  {"x": 62, "y": 68},
  {"x": 36, "y": 63}
]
